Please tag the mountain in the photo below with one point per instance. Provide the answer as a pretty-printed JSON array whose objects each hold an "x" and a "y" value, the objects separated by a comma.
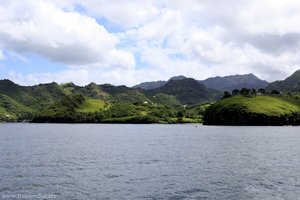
[
  {"x": 226, "y": 83},
  {"x": 290, "y": 84},
  {"x": 177, "y": 78},
  {"x": 150, "y": 85},
  {"x": 156, "y": 84},
  {"x": 92, "y": 90},
  {"x": 69, "y": 103},
  {"x": 178, "y": 100},
  {"x": 229, "y": 83},
  {"x": 32, "y": 96},
  {"x": 187, "y": 91}
]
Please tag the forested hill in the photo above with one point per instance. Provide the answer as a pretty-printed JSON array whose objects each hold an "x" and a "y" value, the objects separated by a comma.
[
  {"x": 179, "y": 100},
  {"x": 188, "y": 91},
  {"x": 68, "y": 102},
  {"x": 226, "y": 83},
  {"x": 229, "y": 83},
  {"x": 278, "y": 104},
  {"x": 290, "y": 84}
]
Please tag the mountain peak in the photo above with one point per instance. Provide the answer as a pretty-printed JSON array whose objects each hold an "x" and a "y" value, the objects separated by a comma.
[
  {"x": 157, "y": 84},
  {"x": 150, "y": 85},
  {"x": 296, "y": 73},
  {"x": 180, "y": 77},
  {"x": 232, "y": 82},
  {"x": 291, "y": 83},
  {"x": 7, "y": 81},
  {"x": 187, "y": 91}
]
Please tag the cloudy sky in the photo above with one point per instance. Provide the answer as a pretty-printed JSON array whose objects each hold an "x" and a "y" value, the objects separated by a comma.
[{"x": 127, "y": 42}]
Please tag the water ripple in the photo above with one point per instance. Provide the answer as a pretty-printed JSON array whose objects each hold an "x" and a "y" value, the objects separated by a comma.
[{"x": 150, "y": 161}]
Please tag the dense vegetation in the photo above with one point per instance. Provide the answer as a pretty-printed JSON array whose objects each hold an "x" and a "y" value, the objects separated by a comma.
[
  {"x": 277, "y": 104},
  {"x": 11, "y": 110},
  {"x": 79, "y": 109},
  {"x": 290, "y": 84},
  {"x": 68, "y": 103},
  {"x": 178, "y": 100},
  {"x": 188, "y": 91},
  {"x": 260, "y": 110}
]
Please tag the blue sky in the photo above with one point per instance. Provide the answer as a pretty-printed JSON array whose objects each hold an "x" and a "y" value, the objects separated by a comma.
[
  {"x": 31, "y": 63},
  {"x": 128, "y": 42}
]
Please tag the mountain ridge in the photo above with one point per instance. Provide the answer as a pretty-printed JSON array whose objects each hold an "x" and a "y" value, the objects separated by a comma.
[
  {"x": 179, "y": 99},
  {"x": 229, "y": 83},
  {"x": 224, "y": 83},
  {"x": 49, "y": 102},
  {"x": 291, "y": 83},
  {"x": 187, "y": 91}
]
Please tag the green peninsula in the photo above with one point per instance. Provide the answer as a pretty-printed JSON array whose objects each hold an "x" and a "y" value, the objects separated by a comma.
[{"x": 259, "y": 110}]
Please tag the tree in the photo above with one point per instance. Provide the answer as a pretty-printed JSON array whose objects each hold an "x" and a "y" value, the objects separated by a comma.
[
  {"x": 261, "y": 91},
  {"x": 180, "y": 115},
  {"x": 235, "y": 92},
  {"x": 253, "y": 92},
  {"x": 275, "y": 92},
  {"x": 226, "y": 95},
  {"x": 245, "y": 92}
]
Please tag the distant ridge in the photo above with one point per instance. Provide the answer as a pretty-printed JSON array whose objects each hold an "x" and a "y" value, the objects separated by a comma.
[
  {"x": 156, "y": 84},
  {"x": 187, "y": 91},
  {"x": 150, "y": 85},
  {"x": 229, "y": 83},
  {"x": 290, "y": 84}
]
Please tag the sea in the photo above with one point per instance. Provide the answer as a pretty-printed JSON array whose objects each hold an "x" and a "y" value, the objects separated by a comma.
[{"x": 132, "y": 161}]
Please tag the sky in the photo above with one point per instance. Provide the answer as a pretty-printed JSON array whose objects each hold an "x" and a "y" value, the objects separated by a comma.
[{"x": 132, "y": 41}]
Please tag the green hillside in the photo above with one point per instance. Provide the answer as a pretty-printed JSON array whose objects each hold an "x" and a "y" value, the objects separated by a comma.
[
  {"x": 77, "y": 108},
  {"x": 93, "y": 105},
  {"x": 260, "y": 110},
  {"x": 92, "y": 90},
  {"x": 290, "y": 84},
  {"x": 11, "y": 110},
  {"x": 187, "y": 91},
  {"x": 165, "y": 99},
  {"x": 178, "y": 101},
  {"x": 36, "y": 96}
]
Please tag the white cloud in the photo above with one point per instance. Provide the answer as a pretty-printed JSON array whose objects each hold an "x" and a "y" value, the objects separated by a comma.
[
  {"x": 83, "y": 77},
  {"x": 126, "y": 13},
  {"x": 223, "y": 38},
  {"x": 67, "y": 37},
  {"x": 276, "y": 17},
  {"x": 193, "y": 38}
]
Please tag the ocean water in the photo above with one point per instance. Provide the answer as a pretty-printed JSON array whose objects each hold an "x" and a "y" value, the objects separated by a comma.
[{"x": 101, "y": 161}]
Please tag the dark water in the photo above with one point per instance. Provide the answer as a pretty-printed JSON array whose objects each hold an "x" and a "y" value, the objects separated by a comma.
[{"x": 149, "y": 161}]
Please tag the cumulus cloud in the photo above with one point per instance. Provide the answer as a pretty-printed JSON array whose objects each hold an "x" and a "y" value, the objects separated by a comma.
[
  {"x": 118, "y": 76},
  {"x": 157, "y": 38},
  {"x": 273, "y": 43},
  {"x": 67, "y": 37}
]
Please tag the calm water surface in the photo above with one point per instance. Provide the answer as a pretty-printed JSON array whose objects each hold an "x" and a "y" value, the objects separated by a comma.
[{"x": 150, "y": 161}]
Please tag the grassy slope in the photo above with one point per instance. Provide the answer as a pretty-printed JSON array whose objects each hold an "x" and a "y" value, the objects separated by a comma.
[
  {"x": 11, "y": 109},
  {"x": 261, "y": 110},
  {"x": 267, "y": 105},
  {"x": 93, "y": 105}
]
